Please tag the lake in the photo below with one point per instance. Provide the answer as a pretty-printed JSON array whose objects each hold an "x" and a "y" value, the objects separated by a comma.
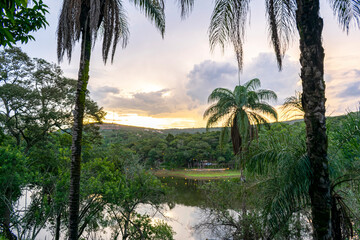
[{"x": 181, "y": 209}]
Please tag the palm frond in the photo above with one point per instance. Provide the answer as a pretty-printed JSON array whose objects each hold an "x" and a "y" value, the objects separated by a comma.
[
  {"x": 79, "y": 16},
  {"x": 227, "y": 24},
  {"x": 220, "y": 93},
  {"x": 221, "y": 115},
  {"x": 186, "y": 7},
  {"x": 252, "y": 84},
  {"x": 347, "y": 11},
  {"x": 287, "y": 191},
  {"x": 257, "y": 119},
  {"x": 281, "y": 20},
  {"x": 342, "y": 217},
  {"x": 292, "y": 107},
  {"x": 154, "y": 10},
  {"x": 264, "y": 108},
  {"x": 265, "y": 162},
  {"x": 221, "y": 107},
  {"x": 69, "y": 27},
  {"x": 115, "y": 28},
  {"x": 238, "y": 110},
  {"x": 266, "y": 95}
]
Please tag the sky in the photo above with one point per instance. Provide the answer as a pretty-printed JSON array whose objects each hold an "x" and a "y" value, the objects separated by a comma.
[{"x": 164, "y": 82}]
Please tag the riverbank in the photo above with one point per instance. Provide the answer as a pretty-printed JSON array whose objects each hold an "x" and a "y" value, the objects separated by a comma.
[{"x": 201, "y": 174}]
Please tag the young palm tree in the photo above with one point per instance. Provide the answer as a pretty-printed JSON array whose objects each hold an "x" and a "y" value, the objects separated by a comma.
[
  {"x": 283, "y": 176},
  {"x": 228, "y": 24},
  {"x": 80, "y": 20},
  {"x": 292, "y": 107},
  {"x": 239, "y": 111}
]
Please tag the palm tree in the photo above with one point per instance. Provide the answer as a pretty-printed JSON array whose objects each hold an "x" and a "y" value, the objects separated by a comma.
[
  {"x": 239, "y": 111},
  {"x": 228, "y": 24},
  {"x": 283, "y": 176},
  {"x": 292, "y": 107},
  {"x": 80, "y": 20}
]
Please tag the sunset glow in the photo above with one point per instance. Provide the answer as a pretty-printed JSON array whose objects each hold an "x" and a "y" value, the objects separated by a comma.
[
  {"x": 147, "y": 121},
  {"x": 165, "y": 82}
]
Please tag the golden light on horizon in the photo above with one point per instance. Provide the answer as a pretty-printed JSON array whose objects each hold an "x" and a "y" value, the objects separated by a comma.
[{"x": 150, "y": 122}]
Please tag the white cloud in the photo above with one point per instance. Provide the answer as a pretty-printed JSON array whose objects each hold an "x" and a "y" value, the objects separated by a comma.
[{"x": 208, "y": 75}]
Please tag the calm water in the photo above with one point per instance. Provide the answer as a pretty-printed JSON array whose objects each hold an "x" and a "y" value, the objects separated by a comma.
[{"x": 181, "y": 209}]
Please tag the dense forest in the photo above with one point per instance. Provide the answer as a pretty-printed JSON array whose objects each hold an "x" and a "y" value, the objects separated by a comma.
[
  {"x": 63, "y": 173},
  {"x": 118, "y": 164}
]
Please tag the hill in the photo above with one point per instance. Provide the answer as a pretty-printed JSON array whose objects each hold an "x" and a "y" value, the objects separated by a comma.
[{"x": 174, "y": 131}]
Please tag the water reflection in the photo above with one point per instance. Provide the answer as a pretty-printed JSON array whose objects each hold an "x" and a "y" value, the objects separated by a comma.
[
  {"x": 181, "y": 218},
  {"x": 181, "y": 210},
  {"x": 182, "y": 206},
  {"x": 184, "y": 191}
]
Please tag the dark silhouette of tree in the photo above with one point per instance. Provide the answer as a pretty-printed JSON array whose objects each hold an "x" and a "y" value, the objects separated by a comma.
[
  {"x": 228, "y": 25},
  {"x": 80, "y": 21}
]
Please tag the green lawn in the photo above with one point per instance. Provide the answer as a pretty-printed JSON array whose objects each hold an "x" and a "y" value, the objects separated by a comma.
[{"x": 192, "y": 174}]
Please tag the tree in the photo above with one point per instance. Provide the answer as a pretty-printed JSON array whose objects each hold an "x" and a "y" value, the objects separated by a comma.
[
  {"x": 18, "y": 20},
  {"x": 283, "y": 175},
  {"x": 81, "y": 20},
  {"x": 224, "y": 217},
  {"x": 240, "y": 110},
  {"x": 35, "y": 98},
  {"x": 120, "y": 182},
  {"x": 292, "y": 107},
  {"x": 13, "y": 176},
  {"x": 228, "y": 24}
]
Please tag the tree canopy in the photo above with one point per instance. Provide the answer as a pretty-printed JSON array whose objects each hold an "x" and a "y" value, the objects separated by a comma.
[{"x": 19, "y": 19}]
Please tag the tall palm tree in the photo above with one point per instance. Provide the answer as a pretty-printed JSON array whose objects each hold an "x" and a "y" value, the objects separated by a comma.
[
  {"x": 239, "y": 111},
  {"x": 80, "y": 20},
  {"x": 228, "y": 24}
]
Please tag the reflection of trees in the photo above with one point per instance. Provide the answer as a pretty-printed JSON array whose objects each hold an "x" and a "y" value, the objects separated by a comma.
[{"x": 188, "y": 192}]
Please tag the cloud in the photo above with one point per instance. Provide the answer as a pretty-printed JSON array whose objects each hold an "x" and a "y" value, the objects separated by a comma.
[
  {"x": 343, "y": 91},
  {"x": 102, "y": 94},
  {"x": 107, "y": 89},
  {"x": 265, "y": 67},
  {"x": 150, "y": 103},
  {"x": 352, "y": 90},
  {"x": 208, "y": 75}
]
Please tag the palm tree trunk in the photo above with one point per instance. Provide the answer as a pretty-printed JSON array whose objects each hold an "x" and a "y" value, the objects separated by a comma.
[
  {"x": 58, "y": 225},
  {"x": 335, "y": 221},
  {"x": 310, "y": 27},
  {"x": 83, "y": 77}
]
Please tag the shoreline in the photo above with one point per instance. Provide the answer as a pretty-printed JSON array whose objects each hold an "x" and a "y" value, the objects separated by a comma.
[{"x": 201, "y": 174}]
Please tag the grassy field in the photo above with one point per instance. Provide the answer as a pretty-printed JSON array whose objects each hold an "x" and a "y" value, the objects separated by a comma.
[{"x": 198, "y": 174}]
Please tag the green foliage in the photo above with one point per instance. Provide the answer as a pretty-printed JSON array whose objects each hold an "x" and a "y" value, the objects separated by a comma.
[
  {"x": 13, "y": 177},
  {"x": 283, "y": 174},
  {"x": 344, "y": 163},
  {"x": 292, "y": 107},
  {"x": 240, "y": 109},
  {"x": 143, "y": 228},
  {"x": 231, "y": 211},
  {"x": 279, "y": 176},
  {"x": 118, "y": 184},
  {"x": 185, "y": 150},
  {"x": 35, "y": 98},
  {"x": 18, "y": 20}
]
